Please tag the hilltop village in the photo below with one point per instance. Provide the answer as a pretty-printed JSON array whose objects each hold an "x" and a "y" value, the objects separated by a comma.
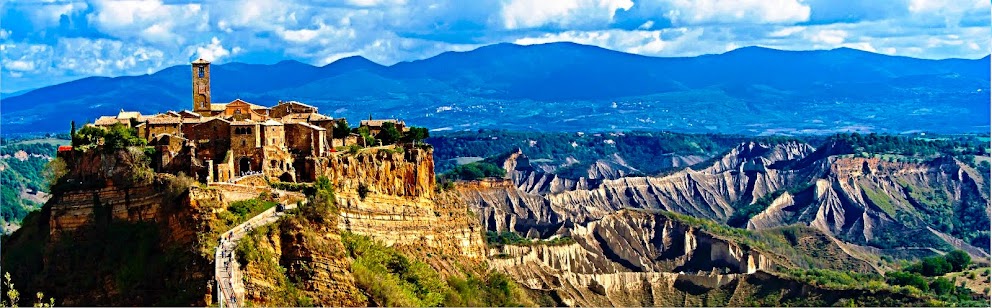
[{"x": 219, "y": 142}]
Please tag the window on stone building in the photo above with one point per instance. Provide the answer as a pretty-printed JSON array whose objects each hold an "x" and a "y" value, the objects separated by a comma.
[{"x": 200, "y": 72}]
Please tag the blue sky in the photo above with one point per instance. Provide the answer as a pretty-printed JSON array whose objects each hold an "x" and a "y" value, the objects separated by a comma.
[{"x": 45, "y": 42}]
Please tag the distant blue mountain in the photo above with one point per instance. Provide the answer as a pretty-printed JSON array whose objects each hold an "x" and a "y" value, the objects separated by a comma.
[{"x": 572, "y": 87}]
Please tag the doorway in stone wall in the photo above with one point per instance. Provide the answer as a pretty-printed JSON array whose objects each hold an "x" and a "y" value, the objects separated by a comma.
[
  {"x": 244, "y": 165},
  {"x": 286, "y": 177}
]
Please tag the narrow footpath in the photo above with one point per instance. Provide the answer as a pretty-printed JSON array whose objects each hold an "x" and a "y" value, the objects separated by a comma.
[{"x": 227, "y": 276}]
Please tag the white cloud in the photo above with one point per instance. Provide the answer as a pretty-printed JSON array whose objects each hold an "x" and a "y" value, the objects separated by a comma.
[
  {"x": 787, "y": 31},
  {"x": 517, "y": 14},
  {"x": 861, "y": 46},
  {"x": 666, "y": 42},
  {"x": 695, "y": 12},
  {"x": 105, "y": 57},
  {"x": 150, "y": 20},
  {"x": 323, "y": 33},
  {"x": 19, "y": 65},
  {"x": 52, "y": 12},
  {"x": 214, "y": 51},
  {"x": 830, "y": 37},
  {"x": 141, "y": 36}
]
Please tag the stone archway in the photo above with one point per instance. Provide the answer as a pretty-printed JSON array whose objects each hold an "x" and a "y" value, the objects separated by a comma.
[
  {"x": 244, "y": 165},
  {"x": 287, "y": 177}
]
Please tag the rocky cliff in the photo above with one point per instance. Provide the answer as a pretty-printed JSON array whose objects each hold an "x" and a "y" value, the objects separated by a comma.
[
  {"x": 391, "y": 196},
  {"x": 637, "y": 258},
  {"x": 851, "y": 197},
  {"x": 139, "y": 245},
  {"x": 542, "y": 202},
  {"x": 826, "y": 211}
]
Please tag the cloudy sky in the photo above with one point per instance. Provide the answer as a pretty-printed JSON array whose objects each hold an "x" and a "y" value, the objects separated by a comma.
[{"x": 45, "y": 42}]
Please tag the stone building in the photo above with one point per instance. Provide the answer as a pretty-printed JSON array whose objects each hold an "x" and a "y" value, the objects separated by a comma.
[
  {"x": 375, "y": 126},
  {"x": 224, "y": 141}
]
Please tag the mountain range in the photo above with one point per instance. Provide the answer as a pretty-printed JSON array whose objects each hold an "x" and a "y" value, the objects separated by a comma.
[{"x": 568, "y": 87}]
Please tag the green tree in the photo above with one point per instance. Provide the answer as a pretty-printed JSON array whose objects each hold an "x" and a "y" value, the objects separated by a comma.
[
  {"x": 942, "y": 286},
  {"x": 366, "y": 136},
  {"x": 341, "y": 129},
  {"x": 958, "y": 259},
  {"x": 389, "y": 134},
  {"x": 119, "y": 137},
  {"x": 417, "y": 134},
  {"x": 934, "y": 266},
  {"x": 907, "y": 279}
]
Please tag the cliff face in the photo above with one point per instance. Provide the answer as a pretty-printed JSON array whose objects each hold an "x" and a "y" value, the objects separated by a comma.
[
  {"x": 635, "y": 258},
  {"x": 851, "y": 197},
  {"x": 315, "y": 263},
  {"x": 866, "y": 200},
  {"x": 541, "y": 202},
  {"x": 401, "y": 205},
  {"x": 139, "y": 245},
  {"x": 849, "y": 210},
  {"x": 387, "y": 195}
]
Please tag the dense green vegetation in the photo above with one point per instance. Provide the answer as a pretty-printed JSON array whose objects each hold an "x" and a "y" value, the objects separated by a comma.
[
  {"x": 940, "y": 290},
  {"x": 245, "y": 209},
  {"x": 390, "y": 278},
  {"x": 907, "y": 145},
  {"x": 26, "y": 174},
  {"x": 475, "y": 171},
  {"x": 39, "y": 148},
  {"x": 744, "y": 211},
  {"x": 389, "y": 134},
  {"x": 284, "y": 292},
  {"x": 237, "y": 212},
  {"x": 954, "y": 261},
  {"x": 494, "y": 238},
  {"x": 116, "y": 137}
]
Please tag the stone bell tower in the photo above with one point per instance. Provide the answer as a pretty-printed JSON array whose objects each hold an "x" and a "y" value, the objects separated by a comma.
[{"x": 201, "y": 87}]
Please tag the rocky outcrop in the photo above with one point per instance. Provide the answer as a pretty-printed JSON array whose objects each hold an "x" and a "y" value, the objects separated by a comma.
[
  {"x": 313, "y": 258},
  {"x": 391, "y": 196},
  {"x": 392, "y": 171},
  {"x": 866, "y": 200},
  {"x": 632, "y": 241},
  {"x": 93, "y": 239},
  {"x": 635, "y": 258},
  {"x": 541, "y": 202},
  {"x": 852, "y": 198}
]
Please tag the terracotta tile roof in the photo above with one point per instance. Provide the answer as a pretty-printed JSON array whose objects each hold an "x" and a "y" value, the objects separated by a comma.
[
  {"x": 250, "y": 105},
  {"x": 128, "y": 115},
  {"x": 163, "y": 120},
  {"x": 295, "y": 103},
  {"x": 109, "y": 120},
  {"x": 307, "y": 125},
  {"x": 208, "y": 119},
  {"x": 271, "y": 122},
  {"x": 218, "y": 107},
  {"x": 201, "y": 61},
  {"x": 189, "y": 114},
  {"x": 319, "y": 117},
  {"x": 304, "y": 117}
]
